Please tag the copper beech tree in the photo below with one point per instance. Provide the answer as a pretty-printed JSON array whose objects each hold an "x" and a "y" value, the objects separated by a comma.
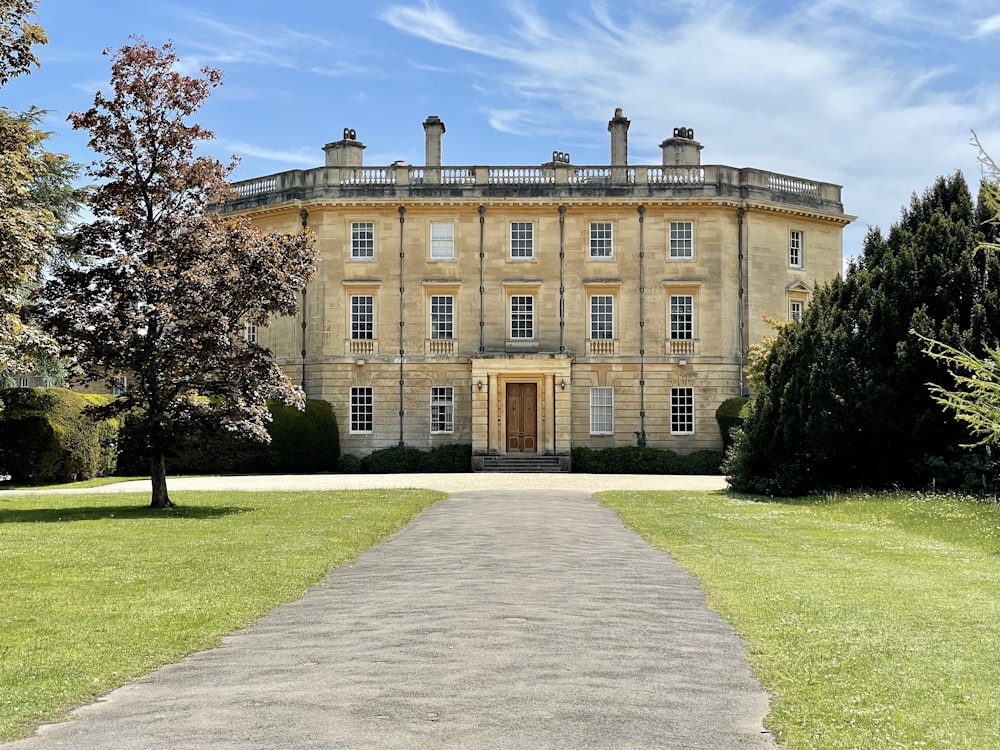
[{"x": 163, "y": 286}]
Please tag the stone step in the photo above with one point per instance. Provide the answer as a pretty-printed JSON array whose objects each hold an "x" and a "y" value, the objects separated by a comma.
[{"x": 522, "y": 463}]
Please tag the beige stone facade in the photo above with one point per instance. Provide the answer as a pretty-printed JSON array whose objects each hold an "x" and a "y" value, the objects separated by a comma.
[{"x": 536, "y": 309}]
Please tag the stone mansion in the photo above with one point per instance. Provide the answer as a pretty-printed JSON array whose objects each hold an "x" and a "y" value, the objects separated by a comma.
[{"x": 534, "y": 309}]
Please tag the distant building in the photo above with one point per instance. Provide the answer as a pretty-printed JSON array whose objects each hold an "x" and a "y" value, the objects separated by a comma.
[{"x": 533, "y": 309}]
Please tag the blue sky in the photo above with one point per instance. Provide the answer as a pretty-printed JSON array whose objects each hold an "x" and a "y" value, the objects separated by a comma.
[{"x": 877, "y": 95}]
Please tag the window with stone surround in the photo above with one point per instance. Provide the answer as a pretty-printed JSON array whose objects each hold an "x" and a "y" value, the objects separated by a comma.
[
  {"x": 795, "y": 243},
  {"x": 681, "y": 240},
  {"x": 362, "y": 317},
  {"x": 442, "y": 317},
  {"x": 602, "y": 317},
  {"x": 794, "y": 310},
  {"x": 601, "y": 244},
  {"x": 522, "y": 316},
  {"x": 362, "y": 410},
  {"x": 602, "y": 411},
  {"x": 362, "y": 240},
  {"x": 442, "y": 240},
  {"x": 682, "y": 411},
  {"x": 522, "y": 240},
  {"x": 681, "y": 317},
  {"x": 442, "y": 409}
]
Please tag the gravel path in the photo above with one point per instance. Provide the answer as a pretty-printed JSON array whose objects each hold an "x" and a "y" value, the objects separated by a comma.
[{"x": 499, "y": 618}]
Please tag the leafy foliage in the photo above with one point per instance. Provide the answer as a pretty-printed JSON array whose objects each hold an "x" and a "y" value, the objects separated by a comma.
[
  {"x": 631, "y": 459},
  {"x": 730, "y": 415},
  {"x": 844, "y": 402},
  {"x": 163, "y": 285},
  {"x": 47, "y": 437},
  {"x": 36, "y": 196},
  {"x": 399, "y": 459},
  {"x": 302, "y": 441}
]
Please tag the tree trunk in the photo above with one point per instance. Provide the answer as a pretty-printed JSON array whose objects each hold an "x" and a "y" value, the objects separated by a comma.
[{"x": 158, "y": 475}]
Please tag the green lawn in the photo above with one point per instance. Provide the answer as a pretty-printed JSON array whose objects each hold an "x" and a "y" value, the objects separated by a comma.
[
  {"x": 873, "y": 621},
  {"x": 96, "y": 482},
  {"x": 98, "y": 589}
]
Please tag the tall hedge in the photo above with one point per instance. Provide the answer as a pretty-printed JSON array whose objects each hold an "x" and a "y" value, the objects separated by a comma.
[
  {"x": 47, "y": 438},
  {"x": 731, "y": 414},
  {"x": 302, "y": 442},
  {"x": 845, "y": 402}
]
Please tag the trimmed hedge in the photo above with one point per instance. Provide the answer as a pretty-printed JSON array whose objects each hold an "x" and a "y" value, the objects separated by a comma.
[
  {"x": 444, "y": 459},
  {"x": 302, "y": 442},
  {"x": 47, "y": 438},
  {"x": 732, "y": 413},
  {"x": 632, "y": 459}
]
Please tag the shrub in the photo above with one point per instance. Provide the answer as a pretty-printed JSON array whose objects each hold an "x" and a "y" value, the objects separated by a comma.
[
  {"x": 401, "y": 459},
  {"x": 48, "y": 437},
  {"x": 632, "y": 459},
  {"x": 349, "y": 464},
  {"x": 700, "y": 462},
  {"x": 302, "y": 442},
  {"x": 731, "y": 414},
  {"x": 449, "y": 459}
]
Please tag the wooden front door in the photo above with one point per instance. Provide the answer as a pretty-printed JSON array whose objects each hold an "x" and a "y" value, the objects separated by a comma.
[{"x": 522, "y": 418}]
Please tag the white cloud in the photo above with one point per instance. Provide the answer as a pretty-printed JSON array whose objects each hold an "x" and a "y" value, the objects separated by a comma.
[
  {"x": 303, "y": 157},
  {"x": 988, "y": 26},
  {"x": 864, "y": 104}
]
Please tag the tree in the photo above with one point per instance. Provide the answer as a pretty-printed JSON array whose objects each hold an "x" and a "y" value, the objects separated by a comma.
[
  {"x": 844, "y": 402},
  {"x": 976, "y": 399},
  {"x": 163, "y": 286},
  {"x": 36, "y": 196}
]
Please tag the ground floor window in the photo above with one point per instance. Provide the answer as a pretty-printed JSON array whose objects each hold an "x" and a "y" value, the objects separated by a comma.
[
  {"x": 362, "y": 410},
  {"x": 602, "y": 411},
  {"x": 442, "y": 409},
  {"x": 682, "y": 411}
]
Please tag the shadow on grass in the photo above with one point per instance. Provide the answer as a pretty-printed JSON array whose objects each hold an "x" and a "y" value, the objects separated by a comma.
[{"x": 117, "y": 512}]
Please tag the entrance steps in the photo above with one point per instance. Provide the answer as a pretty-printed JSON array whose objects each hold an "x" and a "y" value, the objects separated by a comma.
[{"x": 522, "y": 462}]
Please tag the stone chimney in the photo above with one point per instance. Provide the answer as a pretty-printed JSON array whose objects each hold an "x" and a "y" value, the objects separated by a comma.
[
  {"x": 682, "y": 150},
  {"x": 345, "y": 152},
  {"x": 618, "y": 127},
  {"x": 433, "y": 130}
]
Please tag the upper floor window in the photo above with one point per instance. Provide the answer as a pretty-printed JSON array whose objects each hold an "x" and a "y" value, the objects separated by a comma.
[
  {"x": 120, "y": 386},
  {"x": 681, "y": 239},
  {"x": 602, "y": 316},
  {"x": 442, "y": 409},
  {"x": 522, "y": 239},
  {"x": 522, "y": 316},
  {"x": 362, "y": 240},
  {"x": 442, "y": 317},
  {"x": 681, "y": 316},
  {"x": 442, "y": 240},
  {"x": 795, "y": 248},
  {"x": 602, "y": 411},
  {"x": 362, "y": 410},
  {"x": 682, "y": 411},
  {"x": 362, "y": 317},
  {"x": 250, "y": 333},
  {"x": 601, "y": 240}
]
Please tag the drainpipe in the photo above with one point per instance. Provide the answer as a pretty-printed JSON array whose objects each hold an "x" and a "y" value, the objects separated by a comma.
[
  {"x": 304, "y": 215},
  {"x": 402, "y": 220},
  {"x": 642, "y": 332},
  {"x": 562, "y": 279},
  {"x": 482, "y": 288},
  {"x": 741, "y": 323}
]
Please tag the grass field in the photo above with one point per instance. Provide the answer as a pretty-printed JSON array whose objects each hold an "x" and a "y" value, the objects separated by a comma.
[
  {"x": 874, "y": 621},
  {"x": 98, "y": 589}
]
